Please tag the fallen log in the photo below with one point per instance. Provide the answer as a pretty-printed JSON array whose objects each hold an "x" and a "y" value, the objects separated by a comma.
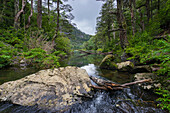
[
  {"x": 109, "y": 85},
  {"x": 89, "y": 52}
]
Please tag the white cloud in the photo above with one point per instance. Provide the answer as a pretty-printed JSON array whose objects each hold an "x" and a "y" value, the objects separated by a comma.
[
  {"x": 86, "y": 26},
  {"x": 85, "y": 12}
]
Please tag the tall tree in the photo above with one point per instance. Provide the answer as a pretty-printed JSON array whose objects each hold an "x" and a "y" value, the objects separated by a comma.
[
  {"x": 58, "y": 16},
  {"x": 39, "y": 16},
  {"x": 16, "y": 6},
  {"x": 132, "y": 7},
  {"x": 106, "y": 19},
  {"x": 29, "y": 18},
  {"x": 122, "y": 24},
  {"x": 158, "y": 5},
  {"x": 16, "y": 23},
  {"x": 148, "y": 9},
  {"x": 48, "y": 7}
]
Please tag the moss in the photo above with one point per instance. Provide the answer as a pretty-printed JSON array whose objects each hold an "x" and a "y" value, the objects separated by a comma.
[{"x": 108, "y": 63}]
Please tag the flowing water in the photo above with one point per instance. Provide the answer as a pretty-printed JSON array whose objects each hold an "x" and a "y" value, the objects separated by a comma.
[{"x": 129, "y": 100}]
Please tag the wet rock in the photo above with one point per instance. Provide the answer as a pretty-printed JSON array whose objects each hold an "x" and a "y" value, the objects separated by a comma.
[
  {"x": 108, "y": 63},
  {"x": 125, "y": 66},
  {"x": 142, "y": 76},
  {"x": 142, "y": 69},
  {"x": 156, "y": 67},
  {"x": 52, "y": 89},
  {"x": 19, "y": 62}
]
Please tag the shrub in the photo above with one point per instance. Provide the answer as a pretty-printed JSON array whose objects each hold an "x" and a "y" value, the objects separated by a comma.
[
  {"x": 63, "y": 44},
  {"x": 40, "y": 59},
  {"x": 6, "y": 54},
  {"x": 165, "y": 99}
]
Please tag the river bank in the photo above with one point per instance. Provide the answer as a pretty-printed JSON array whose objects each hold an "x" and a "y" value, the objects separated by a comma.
[{"x": 133, "y": 99}]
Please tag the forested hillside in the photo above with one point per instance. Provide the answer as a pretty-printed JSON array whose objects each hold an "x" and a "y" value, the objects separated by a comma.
[
  {"x": 37, "y": 31},
  {"x": 78, "y": 38}
]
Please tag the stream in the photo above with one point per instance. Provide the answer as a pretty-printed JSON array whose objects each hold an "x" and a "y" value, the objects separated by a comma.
[{"x": 128, "y": 100}]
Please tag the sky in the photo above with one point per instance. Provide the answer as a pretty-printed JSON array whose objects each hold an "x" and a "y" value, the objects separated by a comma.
[{"x": 85, "y": 13}]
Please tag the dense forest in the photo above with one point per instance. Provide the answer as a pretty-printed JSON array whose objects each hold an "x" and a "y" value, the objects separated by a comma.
[
  {"x": 41, "y": 33},
  {"x": 37, "y": 31},
  {"x": 138, "y": 30}
]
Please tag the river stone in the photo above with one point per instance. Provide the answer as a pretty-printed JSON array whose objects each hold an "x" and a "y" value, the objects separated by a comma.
[
  {"x": 142, "y": 76},
  {"x": 125, "y": 66},
  {"x": 52, "y": 89},
  {"x": 108, "y": 63}
]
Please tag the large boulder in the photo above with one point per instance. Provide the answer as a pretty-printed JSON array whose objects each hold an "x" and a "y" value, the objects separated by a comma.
[
  {"x": 108, "y": 63},
  {"x": 125, "y": 66},
  {"x": 52, "y": 89}
]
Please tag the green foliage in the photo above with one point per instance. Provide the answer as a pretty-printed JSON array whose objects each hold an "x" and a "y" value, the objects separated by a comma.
[
  {"x": 63, "y": 44},
  {"x": 78, "y": 38},
  {"x": 165, "y": 99},
  {"x": 12, "y": 37},
  {"x": 41, "y": 59},
  {"x": 99, "y": 50},
  {"x": 6, "y": 54},
  {"x": 146, "y": 49}
]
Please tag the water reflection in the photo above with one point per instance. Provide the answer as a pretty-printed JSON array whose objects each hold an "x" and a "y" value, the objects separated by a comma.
[
  {"x": 79, "y": 60},
  {"x": 14, "y": 73}
]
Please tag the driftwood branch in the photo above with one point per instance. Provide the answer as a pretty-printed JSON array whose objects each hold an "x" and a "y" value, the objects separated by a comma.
[
  {"x": 137, "y": 82},
  {"x": 109, "y": 85},
  {"x": 98, "y": 87}
]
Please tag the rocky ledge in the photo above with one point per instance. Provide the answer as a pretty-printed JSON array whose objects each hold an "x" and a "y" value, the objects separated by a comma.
[{"x": 52, "y": 89}]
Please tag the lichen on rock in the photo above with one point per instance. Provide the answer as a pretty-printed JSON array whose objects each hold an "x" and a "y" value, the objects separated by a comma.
[
  {"x": 125, "y": 66},
  {"x": 48, "y": 89}
]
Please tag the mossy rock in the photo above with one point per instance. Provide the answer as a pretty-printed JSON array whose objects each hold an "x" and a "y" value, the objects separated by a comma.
[
  {"x": 108, "y": 63},
  {"x": 125, "y": 66}
]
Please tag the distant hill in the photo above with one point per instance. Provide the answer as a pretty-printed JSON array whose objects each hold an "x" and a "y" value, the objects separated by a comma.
[{"x": 78, "y": 38}]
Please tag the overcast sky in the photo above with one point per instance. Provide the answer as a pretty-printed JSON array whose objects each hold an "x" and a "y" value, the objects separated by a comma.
[{"x": 85, "y": 12}]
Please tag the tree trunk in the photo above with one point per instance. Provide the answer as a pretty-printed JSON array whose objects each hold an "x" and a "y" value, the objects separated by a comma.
[
  {"x": 132, "y": 17},
  {"x": 16, "y": 24},
  {"x": 39, "y": 16},
  {"x": 16, "y": 6},
  {"x": 58, "y": 21},
  {"x": 108, "y": 33},
  {"x": 29, "y": 18},
  {"x": 122, "y": 24},
  {"x": 141, "y": 21},
  {"x": 58, "y": 15},
  {"x": 151, "y": 10},
  {"x": 148, "y": 9},
  {"x": 158, "y": 5},
  {"x": 48, "y": 7},
  {"x": 2, "y": 11}
]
